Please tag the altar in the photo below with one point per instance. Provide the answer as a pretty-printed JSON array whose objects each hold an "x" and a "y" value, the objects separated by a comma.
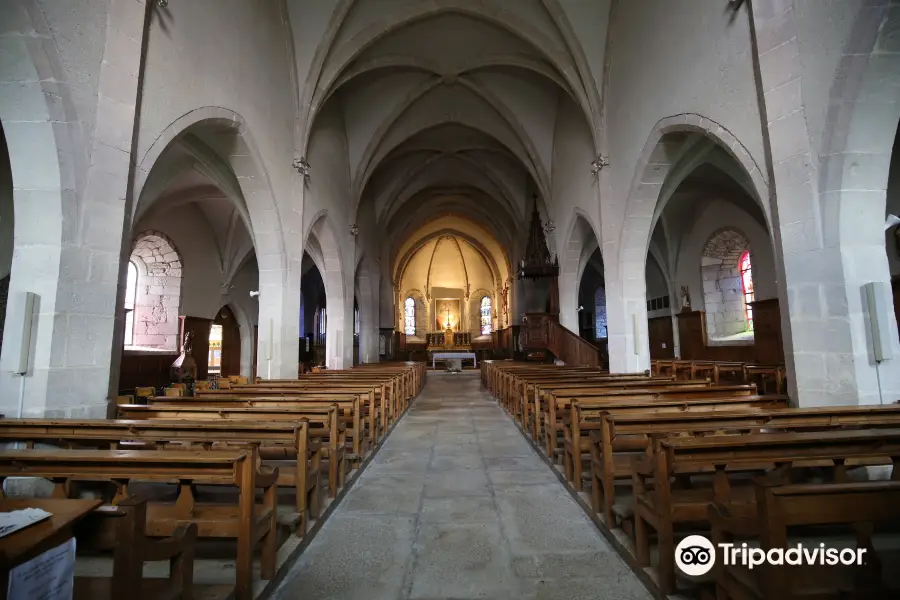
[{"x": 448, "y": 356}]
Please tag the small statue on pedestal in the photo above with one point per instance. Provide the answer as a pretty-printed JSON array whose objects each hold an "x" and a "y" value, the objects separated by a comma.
[
  {"x": 685, "y": 299},
  {"x": 184, "y": 369}
]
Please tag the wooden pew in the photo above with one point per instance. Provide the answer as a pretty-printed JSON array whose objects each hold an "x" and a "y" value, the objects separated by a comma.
[
  {"x": 545, "y": 395},
  {"x": 324, "y": 425},
  {"x": 761, "y": 374},
  {"x": 374, "y": 398},
  {"x": 559, "y": 405},
  {"x": 251, "y": 524},
  {"x": 393, "y": 387},
  {"x": 626, "y": 433},
  {"x": 359, "y": 421},
  {"x": 301, "y": 474},
  {"x": 121, "y": 529},
  {"x": 529, "y": 390},
  {"x": 662, "y": 505},
  {"x": 862, "y": 508},
  {"x": 585, "y": 417}
]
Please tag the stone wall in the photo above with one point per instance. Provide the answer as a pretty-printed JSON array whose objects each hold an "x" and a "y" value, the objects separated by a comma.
[
  {"x": 158, "y": 295},
  {"x": 722, "y": 291}
]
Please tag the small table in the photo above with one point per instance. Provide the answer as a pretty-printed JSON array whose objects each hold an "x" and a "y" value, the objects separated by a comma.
[
  {"x": 21, "y": 546},
  {"x": 450, "y": 355}
]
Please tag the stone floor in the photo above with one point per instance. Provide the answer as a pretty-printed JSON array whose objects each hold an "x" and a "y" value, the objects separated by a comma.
[{"x": 457, "y": 504}]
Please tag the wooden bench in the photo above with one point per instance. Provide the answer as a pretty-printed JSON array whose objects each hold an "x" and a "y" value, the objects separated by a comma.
[
  {"x": 662, "y": 505},
  {"x": 393, "y": 389},
  {"x": 360, "y": 427},
  {"x": 558, "y": 405},
  {"x": 251, "y": 524},
  {"x": 325, "y": 426},
  {"x": 763, "y": 374},
  {"x": 545, "y": 395},
  {"x": 626, "y": 433},
  {"x": 121, "y": 528},
  {"x": 301, "y": 473},
  {"x": 862, "y": 508},
  {"x": 585, "y": 417},
  {"x": 375, "y": 399},
  {"x": 529, "y": 391}
]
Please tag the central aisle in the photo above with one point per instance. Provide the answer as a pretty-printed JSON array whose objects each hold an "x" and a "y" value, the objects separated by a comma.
[{"x": 457, "y": 504}]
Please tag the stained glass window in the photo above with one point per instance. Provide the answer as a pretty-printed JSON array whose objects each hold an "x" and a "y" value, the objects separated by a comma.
[
  {"x": 486, "y": 315},
  {"x": 600, "y": 331},
  {"x": 130, "y": 297},
  {"x": 409, "y": 320},
  {"x": 214, "y": 360},
  {"x": 747, "y": 287}
]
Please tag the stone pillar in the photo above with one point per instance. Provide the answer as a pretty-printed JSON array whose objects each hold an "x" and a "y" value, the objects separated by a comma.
[
  {"x": 339, "y": 328},
  {"x": 823, "y": 259},
  {"x": 71, "y": 259},
  {"x": 278, "y": 345},
  {"x": 568, "y": 300},
  {"x": 625, "y": 299},
  {"x": 368, "y": 313}
]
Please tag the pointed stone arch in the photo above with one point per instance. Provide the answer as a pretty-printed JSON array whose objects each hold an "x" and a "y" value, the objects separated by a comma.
[
  {"x": 626, "y": 287},
  {"x": 322, "y": 241}
]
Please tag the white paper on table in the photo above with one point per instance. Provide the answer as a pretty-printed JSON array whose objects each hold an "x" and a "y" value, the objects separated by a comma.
[
  {"x": 50, "y": 576},
  {"x": 13, "y": 521}
]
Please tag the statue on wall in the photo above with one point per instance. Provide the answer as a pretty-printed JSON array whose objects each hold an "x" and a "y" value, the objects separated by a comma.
[
  {"x": 685, "y": 299},
  {"x": 184, "y": 369},
  {"x": 504, "y": 303}
]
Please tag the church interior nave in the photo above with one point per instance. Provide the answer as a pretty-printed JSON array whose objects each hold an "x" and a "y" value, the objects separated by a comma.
[{"x": 237, "y": 239}]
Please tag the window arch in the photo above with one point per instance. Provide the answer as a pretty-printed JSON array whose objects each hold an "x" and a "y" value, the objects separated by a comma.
[
  {"x": 130, "y": 297},
  {"x": 486, "y": 327},
  {"x": 747, "y": 287},
  {"x": 409, "y": 316},
  {"x": 155, "y": 322},
  {"x": 727, "y": 285}
]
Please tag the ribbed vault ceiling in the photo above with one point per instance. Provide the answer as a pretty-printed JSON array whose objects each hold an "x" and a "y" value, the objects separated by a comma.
[{"x": 450, "y": 107}]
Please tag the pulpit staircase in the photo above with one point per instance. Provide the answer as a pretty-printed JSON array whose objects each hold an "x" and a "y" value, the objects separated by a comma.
[{"x": 543, "y": 331}]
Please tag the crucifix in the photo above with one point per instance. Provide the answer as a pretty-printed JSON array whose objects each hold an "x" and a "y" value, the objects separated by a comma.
[{"x": 447, "y": 322}]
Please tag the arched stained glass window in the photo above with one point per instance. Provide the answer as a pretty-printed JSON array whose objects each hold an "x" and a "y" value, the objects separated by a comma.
[
  {"x": 600, "y": 330},
  {"x": 747, "y": 287},
  {"x": 130, "y": 298},
  {"x": 486, "y": 315},
  {"x": 409, "y": 317}
]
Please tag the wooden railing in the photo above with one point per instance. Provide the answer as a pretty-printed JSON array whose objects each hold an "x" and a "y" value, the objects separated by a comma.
[
  {"x": 543, "y": 332},
  {"x": 571, "y": 348}
]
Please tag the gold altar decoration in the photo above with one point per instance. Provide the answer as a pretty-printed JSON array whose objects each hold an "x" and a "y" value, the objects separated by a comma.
[
  {"x": 447, "y": 314},
  {"x": 447, "y": 321}
]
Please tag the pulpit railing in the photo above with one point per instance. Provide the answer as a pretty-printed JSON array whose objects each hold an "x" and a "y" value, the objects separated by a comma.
[
  {"x": 544, "y": 332},
  {"x": 570, "y": 347}
]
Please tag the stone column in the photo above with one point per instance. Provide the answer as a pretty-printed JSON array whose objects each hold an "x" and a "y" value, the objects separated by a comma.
[
  {"x": 73, "y": 262},
  {"x": 368, "y": 313},
  {"x": 626, "y": 304},
  {"x": 823, "y": 259},
  {"x": 278, "y": 347}
]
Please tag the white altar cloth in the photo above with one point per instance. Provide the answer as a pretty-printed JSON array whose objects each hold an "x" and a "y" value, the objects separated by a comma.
[{"x": 447, "y": 355}]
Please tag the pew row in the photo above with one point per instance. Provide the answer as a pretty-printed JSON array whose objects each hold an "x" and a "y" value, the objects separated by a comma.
[
  {"x": 284, "y": 440},
  {"x": 250, "y": 523}
]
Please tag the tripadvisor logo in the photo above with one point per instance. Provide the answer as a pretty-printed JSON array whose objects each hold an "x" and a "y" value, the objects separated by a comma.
[{"x": 695, "y": 555}]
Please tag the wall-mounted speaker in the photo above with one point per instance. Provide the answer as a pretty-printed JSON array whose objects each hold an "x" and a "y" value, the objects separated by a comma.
[
  {"x": 19, "y": 321},
  {"x": 878, "y": 296}
]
